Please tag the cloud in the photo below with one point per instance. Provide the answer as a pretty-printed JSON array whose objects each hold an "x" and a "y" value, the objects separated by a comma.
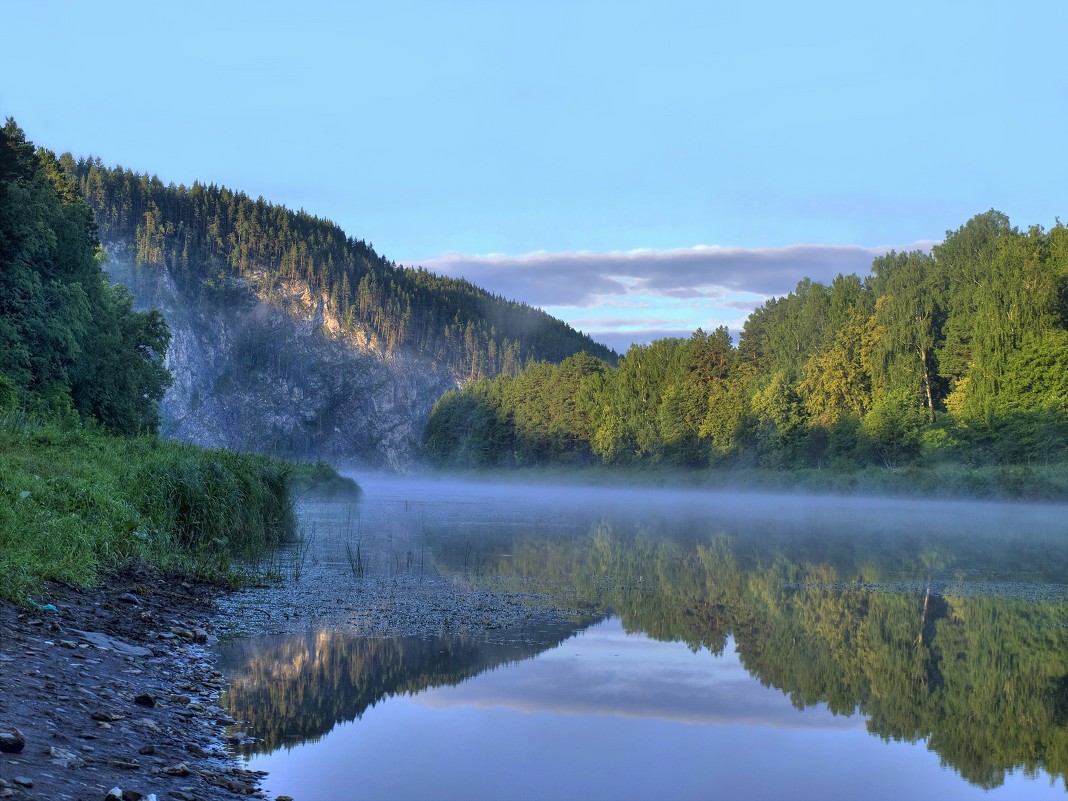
[
  {"x": 709, "y": 272},
  {"x": 636, "y": 296}
]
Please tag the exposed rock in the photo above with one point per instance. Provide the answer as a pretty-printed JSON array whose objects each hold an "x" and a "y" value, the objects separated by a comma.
[
  {"x": 22, "y": 781},
  {"x": 145, "y": 699},
  {"x": 270, "y": 372}
]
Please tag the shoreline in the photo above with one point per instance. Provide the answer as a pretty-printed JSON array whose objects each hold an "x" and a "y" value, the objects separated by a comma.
[{"x": 116, "y": 688}]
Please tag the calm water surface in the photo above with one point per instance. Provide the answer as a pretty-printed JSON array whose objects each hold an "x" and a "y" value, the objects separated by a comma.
[{"x": 701, "y": 646}]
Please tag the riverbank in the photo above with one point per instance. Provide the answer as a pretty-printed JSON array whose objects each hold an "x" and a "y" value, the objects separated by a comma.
[{"x": 113, "y": 686}]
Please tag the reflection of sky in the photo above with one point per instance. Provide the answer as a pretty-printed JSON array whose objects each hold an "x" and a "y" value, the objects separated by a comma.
[
  {"x": 611, "y": 716},
  {"x": 604, "y": 671}
]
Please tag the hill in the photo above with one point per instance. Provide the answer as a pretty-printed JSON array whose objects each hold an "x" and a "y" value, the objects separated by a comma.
[{"x": 290, "y": 337}]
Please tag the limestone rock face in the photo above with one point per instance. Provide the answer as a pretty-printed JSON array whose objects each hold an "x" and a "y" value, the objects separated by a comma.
[{"x": 268, "y": 371}]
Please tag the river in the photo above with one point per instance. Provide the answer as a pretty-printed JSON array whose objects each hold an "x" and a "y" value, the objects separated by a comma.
[{"x": 448, "y": 639}]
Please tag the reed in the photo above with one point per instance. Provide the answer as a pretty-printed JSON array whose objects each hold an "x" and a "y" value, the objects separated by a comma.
[{"x": 75, "y": 501}]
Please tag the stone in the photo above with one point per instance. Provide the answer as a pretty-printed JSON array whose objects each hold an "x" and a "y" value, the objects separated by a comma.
[
  {"x": 12, "y": 741},
  {"x": 106, "y": 643},
  {"x": 107, "y": 717},
  {"x": 144, "y": 699},
  {"x": 130, "y": 598},
  {"x": 124, "y": 764},
  {"x": 64, "y": 758},
  {"x": 22, "y": 781},
  {"x": 181, "y": 769}
]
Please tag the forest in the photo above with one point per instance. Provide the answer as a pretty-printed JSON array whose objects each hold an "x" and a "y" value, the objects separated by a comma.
[
  {"x": 70, "y": 342},
  {"x": 85, "y": 483},
  {"x": 212, "y": 238},
  {"x": 957, "y": 355}
]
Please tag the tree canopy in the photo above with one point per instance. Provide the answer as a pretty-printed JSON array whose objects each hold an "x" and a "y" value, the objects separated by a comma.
[
  {"x": 69, "y": 341},
  {"x": 957, "y": 353}
]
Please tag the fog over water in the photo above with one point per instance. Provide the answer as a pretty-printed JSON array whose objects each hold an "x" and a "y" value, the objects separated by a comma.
[{"x": 546, "y": 635}]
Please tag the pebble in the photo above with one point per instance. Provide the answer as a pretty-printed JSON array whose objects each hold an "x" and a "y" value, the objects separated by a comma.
[
  {"x": 22, "y": 781},
  {"x": 12, "y": 741},
  {"x": 107, "y": 717}
]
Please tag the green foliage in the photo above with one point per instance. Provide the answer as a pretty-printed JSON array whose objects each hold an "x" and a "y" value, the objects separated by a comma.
[
  {"x": 75, "y": 501},
  {"x": 894, "y": 427},
  {"x": 67, "y": 339},
  {"x": 210, "y": 238},
  {"x": 958, "y": 355}
]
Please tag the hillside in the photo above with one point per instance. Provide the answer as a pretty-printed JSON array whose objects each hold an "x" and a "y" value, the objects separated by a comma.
[{"x": 291, "y": 337}]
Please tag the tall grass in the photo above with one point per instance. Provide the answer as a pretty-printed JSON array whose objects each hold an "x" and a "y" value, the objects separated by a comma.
[{"x": 75, "y": 501}]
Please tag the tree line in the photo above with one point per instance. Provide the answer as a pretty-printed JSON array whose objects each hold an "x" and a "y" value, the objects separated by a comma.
[
  {"x": 211, "y": 237},
  {"x": 958, "y": 353},
  {"x": 70, "y": 343}
]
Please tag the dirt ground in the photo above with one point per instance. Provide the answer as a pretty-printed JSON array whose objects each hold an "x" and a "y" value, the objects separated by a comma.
[{"x": 115, "y": 688}]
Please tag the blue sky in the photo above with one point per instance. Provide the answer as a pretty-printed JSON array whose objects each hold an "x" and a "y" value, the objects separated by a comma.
[{"x": 674, "y": 154}]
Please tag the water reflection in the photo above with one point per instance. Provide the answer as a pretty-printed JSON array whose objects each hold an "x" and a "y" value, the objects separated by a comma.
[
  {"x": 293, "y": 688},
  {"x": 935, "y": 628}
]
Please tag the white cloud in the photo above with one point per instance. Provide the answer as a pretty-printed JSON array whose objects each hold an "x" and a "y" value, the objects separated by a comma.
[
  {"x": 624, "y": 297},
  {"x": 705, "y": 271}
]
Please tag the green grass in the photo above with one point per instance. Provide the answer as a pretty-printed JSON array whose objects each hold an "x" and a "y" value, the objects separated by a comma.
[
  {"x": 75, "y": 502},
  {"x": 321, "y": 480}
]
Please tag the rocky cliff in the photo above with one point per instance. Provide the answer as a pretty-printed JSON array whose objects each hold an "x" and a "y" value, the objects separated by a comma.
[{"x": 272, "y": 371}]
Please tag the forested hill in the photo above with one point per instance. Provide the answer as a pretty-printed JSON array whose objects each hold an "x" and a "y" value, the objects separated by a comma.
[
  {"x": 210, "y": 234},
  {"x": 956, "y": 355}
]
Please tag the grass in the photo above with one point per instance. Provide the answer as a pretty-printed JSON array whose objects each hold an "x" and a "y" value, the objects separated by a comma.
[
  {"x": 321, "y": 480},
  {"x": 76, "y": 501}
]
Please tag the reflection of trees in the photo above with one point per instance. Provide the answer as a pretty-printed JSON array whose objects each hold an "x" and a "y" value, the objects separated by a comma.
[
  {"x": 294, "y": 688},
  {"x": 982, "y": 678}
]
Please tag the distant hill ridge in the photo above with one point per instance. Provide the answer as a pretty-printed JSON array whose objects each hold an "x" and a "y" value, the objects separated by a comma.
[
  {"x": 291, "y": 338},
  {"x": 210, "y": 233}
]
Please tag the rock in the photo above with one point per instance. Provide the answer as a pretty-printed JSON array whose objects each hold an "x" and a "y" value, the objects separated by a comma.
[
  {"x": 114, "y": 794},
  {"x": 67, "y": 644},
  {"x": 130, "y": 598},
  {"x": 106, "y": 643},
  {"x": 147, "y": 750},
  {"x": 144, "y": 699},
  {"x": 22, "y": 781},
  {"x": 181, "y": 769},
  {"x": 107, "y": 717},
  {"x": 12, "y": 741},
  {"x": 200, "y": 636},
  {"x": 64, "y": 758},
  {"x": 284, "y": 798},
  {"x": 124, "y": 764}
]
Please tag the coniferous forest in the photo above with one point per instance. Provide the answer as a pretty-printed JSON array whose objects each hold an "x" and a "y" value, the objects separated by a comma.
[
  {"x": 210, "y": 236},
  {"x": 956, "y": 355}
]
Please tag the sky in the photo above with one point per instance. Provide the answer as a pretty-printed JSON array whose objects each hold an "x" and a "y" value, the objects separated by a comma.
[{"x": 638, "y": 169}]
